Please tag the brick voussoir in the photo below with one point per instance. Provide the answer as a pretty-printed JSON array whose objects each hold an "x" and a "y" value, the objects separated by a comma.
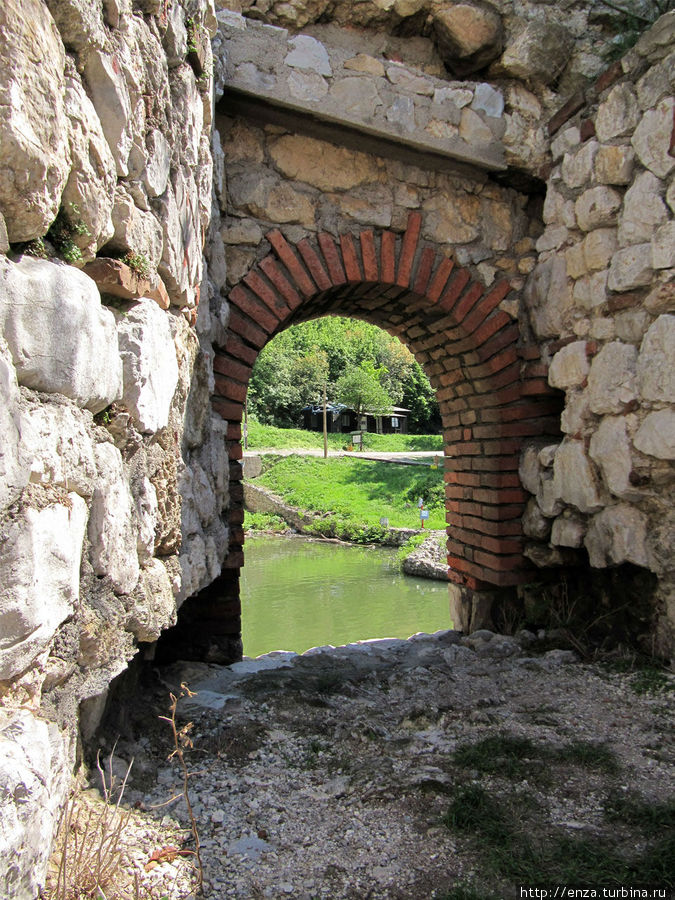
[
  {"x": 272, "y": 270},
  {"x": 408, "y": 249},
  {"x": 333, "y": 259},
  {"x": 424, "y": 269},
  {"x": 350, "y": 259},
  {"x": 371, "y": 269},
  {"x": 313, "y": 262},
  {"x": 388, "y": 257},
  {"x": 289, "y": 258}
]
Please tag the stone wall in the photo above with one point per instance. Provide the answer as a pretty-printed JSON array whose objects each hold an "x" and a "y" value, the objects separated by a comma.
[
  {"x": 112, "y": 476},
  {"x": 602, "y": 297}
]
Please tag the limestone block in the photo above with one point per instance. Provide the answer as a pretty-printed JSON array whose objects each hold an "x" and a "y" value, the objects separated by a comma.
[
  {"x": 405, "y": 80},
  {"x": 603, "y": 330},
  {"x": 242, "y": 231},
  {"x": 670, "y": 195},
  {"x": 150, "y": 370},
  {"x": 62, "y": 340},
  {"x": 557, "y": 210},
  {"x": 175, "y": 38},
  {"x": 643, "y": 209},
  {"x": 89, "y": 192},
  {"x": 652, "y": 138},
  {"x": 576, "y": 261},
  {"x": 631, "y": 325},
  {"x": 243, "y": 143},
  {"x": 548, "y": 296},
  {"x": 322, "y": 165},
  {"x": 110, "y": 96},
  {"x": 307, "y": 86},
  {"x": 33, "y": 126},
  {"x": 39, "y": 576},
  {"x": 597, "y": 207},
  {"x": 79, "y": 22},
  {"x": 617, "y": 535},
  {"x": 372, "y": 206},
  {"x": 655, "y": 83},
  {"x": 656, "y": 435},
  {"x": 15, "y": 434},
  {"x": 611, "y": 381},
  {"x": 358, "y": 98},
  {"x": 661, "y": 299},
  {"x": 451, "y": 219},
  {"x": 156, "y": 174},
  {"x": 187, "y": 113},
  {"x": 35, "y": 771},
  {"x": 401, "y": 114},
  {"x": 113, "y": 531},
  {"x": 552, "y": 238},
  {"x": 473, "y": 129},
  {"x": 657, "y": 41},
  {"x": 577, "y": 167},
  {"x": 285, "y": 204},
  {"x": 663, "y": 247},
  {"x": 569, "y": 367},
  {"x": 529, "y": 469},
  {"x": 574, "y": 480},
  {"x": 488, "y": 100},
  {"x": 535, "y": 523},
  {"x": 548, "y": 499},
  {"x": 4, "y": 239},
  {"x": 567, "y": 139},
  {"x": 631, "y": 268},
  {"x": 308, "y": 53},
  {"x": 656, "y": 362},
  {"x": 362, "y": 62},
  {"x": 599, "y": 247},
  {"x": 469, "y": 36},
  {"x": 181, "y": 264},
  {"x": 147, "y": 512},
  {"x": 614, "y": 164},
  {"x": 456, "y": 97},
  {"x": 61, "y": 447},
  {"x": 539, "y": 52},
  {"x": 610, "y": 450},
  {"x": 618, "y": 113},
  {"x": 153, "y": 606},
  {"x": 574, "y": 417},
  {"x": 568, "y": 530}
]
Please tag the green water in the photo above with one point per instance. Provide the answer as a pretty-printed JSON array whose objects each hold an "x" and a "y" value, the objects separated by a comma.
[{"x": 297, "y": 594}]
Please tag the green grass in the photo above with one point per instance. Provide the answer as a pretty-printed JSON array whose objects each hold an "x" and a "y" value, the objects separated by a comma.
[
  {"x": 261, "y": 521},
  {"x": 267, "y": 437},
  {"x": 351, "y": 494}
]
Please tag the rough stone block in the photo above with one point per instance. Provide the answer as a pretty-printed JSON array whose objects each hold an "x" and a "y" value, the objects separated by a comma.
[
  {"x": 574, "y": 481},
  {"x": 656, "y": 435},
  {"x": 568, "y": 531},
  {"x": 656, "y": 362},
  {"x": 652, "y": 139},
  {"x": 611, "y": 380},
  {"x": 643, "y": 209},
  {"x": 110, "y": 96},
  {"x": 617, "y": 535},
  {"x": 599, "y": 247},
  {"x": 614, "y": 164},
  {"x": 631, "y": 268},
  {"x": 15, "y": 434},
  {"x": 569, "y": 367},
  {"x": 663, "y": 247},
  {"x": 618, "y": 113},
  {"x": 610, "y": 449},
  {"x": 597, "y": 207}
]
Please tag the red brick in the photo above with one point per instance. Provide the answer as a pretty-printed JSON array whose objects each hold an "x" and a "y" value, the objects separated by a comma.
[
  {"x": 424, "y": 268},
  {"x": 280, "y": 282},
  {"x": 265, "y": 292},
  {"x": 608, "y": 77},
  {"x": 486, "y": 305},
  {"x": 314, "y": 264},
  {"x": 246, "y": 329},
  {"x": 236, "y": 470},
  {"x": 236, "y": 535},
  {"x": 618, "y": 302},
  {"x": 229, "y": 389},
  {"x": 369, "y": 254},
  {"x": 587, "y": 129},
  {"x": 235, "y": 451},
  {"x": 289, "y": 258},
  {"x": 228, "y": 410},
  {"x": 233, "y": 432},
  {"x": 506, "y": 463},
  {"x": 253, "y": 308},
  {"x": 566, "y": 112},
  {"x": 535, "y": 370},
  {"x": 350, "y": 258},
  {"x": 529, "y": 351},
  {"x": 225, "y": 365},
  {"x": 494, "y": 364},
  {"x": 236, "y": 517},
  {"x": 234, "y": 560},
  {"x": 440, "y": 279},
  {"x": 236, "y": 494},
  {"x": 455, "y": 287},
  {"x": 521, "y": 411},
  {"x": 408, "y": 249},
  {"x": 537, "y": 386},
  {"x": 467, "y": 302},
  {"x": 502, "y": 379},
  {"x": 332, "y": 257},
  {"x": 235, "y": 347},
  {"x": 498, "y": 563},
  {"x": 388, "y": 257}
]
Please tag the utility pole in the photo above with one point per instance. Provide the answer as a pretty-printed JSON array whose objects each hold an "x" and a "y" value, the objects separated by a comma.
[
  {"x": 246, "y": 423},
  {"x": 325, "y": 425}
]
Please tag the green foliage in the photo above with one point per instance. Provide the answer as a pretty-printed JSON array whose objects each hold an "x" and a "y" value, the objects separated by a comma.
[
  {"x": 628, "y": 19},
  {"x": 260, "y": 521},
  {"x": 350, "y": 494},
  {"x": 360, "y": 389},
  {"x": 280, "y": 387},
  {"x": 35, "y": 248},
  {"x": 269, "y": 437},
  {"x": 138, "y": 263},
  {"x": 66, "y": 227}
]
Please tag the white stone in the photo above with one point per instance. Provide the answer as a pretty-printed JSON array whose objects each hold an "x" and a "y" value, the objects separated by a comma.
[
  {"x": 617, "y": 535},
  {"x": 537, "y": 53},
  {"x": 181, "y": 264},
  {"x": 39, "y": 578},
  {"x": 652, "y": 138},
  {"x": 307, "y": 86},
  {"x": 663, "y": 247},
  {"x": 548, "y": 500},
  {"x": 574, "y": 480},
  {"x": 535, "y": 524},
  {"x": 489, "y": 100},
  {"x": 308, "y": 53},
  {"x": 147, "y": 508},
  {"x": 656, "y": 435},
  {"x": 61, "y": 338},
  {"x": 610, "y": 449},
  {"x": 473, "y": 129},
  {"x": 15, "y": 457},
  {"x": 110, "y": 96},
  {"x": 577, "y": 168},
  {"x": 548, "y": 296},
  {"x": 529, "y": 468},
  {"x": 656, "y": 362},
  {"x": 402, "y": 114},
  {"x": 611, "y": 381},
  {"x": 405, "y": 80},
  {"x": 61, "y": 448},
  {"x": 35, "y": 773},
  {"x": 596, "y": 207},
  {"x": 568, "y": 531},
  {"x": 631, "y": 268},
  {"x": 460, "y": 97},
  {"x": 136, "y": 230},
  {"x": 156, "y": 174},
  {"x": 643, "y": 209},
  {"x": 614, "y": 164},
  {"x": 154, "y": 607},
  {"x": 113, "y": 531},
  {"x": 149, "y": 365},
  {"x": 574, "y": 417},
  {"x": 569, "y": 367},
  {"x": 618, "y": 113},
  {"x": 33, "y": 126},
  {"x": 599, "y": 247},
  {"x": 565, "y": 141}
]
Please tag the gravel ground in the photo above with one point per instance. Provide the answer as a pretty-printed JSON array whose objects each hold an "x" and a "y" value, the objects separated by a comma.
[{"x": 327, "y": 775}]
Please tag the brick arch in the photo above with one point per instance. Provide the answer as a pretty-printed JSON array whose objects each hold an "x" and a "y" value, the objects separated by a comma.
[{"x": 491, "y": 386}]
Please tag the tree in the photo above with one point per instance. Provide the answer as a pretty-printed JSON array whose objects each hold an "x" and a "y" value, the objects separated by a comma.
[{"x": 360, "y": 389}]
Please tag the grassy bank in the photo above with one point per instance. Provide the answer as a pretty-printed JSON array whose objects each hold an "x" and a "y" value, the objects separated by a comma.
[
  {"x": 349, "y": 496},
  {"x": 267, "y": 437}
]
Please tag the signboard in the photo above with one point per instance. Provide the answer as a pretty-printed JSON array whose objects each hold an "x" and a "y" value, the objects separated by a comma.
[{"x": 424, "y": 514}]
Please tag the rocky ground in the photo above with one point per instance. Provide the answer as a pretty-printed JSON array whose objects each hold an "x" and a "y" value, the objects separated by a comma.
[{"x": 402, "y": 769}]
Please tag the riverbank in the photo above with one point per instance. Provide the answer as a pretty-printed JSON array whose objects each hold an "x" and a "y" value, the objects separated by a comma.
[{"x": 443, "y": 767}]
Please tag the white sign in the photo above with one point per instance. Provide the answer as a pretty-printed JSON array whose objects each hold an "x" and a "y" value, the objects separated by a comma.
[{"x": 424, "y": 514}]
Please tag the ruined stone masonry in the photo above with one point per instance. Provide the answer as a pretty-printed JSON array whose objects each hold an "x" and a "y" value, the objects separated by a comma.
[{"x": 180, "y": 182}]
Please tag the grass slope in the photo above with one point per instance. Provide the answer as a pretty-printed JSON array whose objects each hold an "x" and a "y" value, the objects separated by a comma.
[
  {"x": 351, "y": 494},
  {"x": 267, "y": 437}
]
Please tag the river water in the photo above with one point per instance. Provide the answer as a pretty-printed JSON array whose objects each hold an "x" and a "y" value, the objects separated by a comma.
[{"x": 297, "y": 593}]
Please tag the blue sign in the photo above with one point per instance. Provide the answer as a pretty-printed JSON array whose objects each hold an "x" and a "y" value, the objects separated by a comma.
[{"x": 424, "y": 514}]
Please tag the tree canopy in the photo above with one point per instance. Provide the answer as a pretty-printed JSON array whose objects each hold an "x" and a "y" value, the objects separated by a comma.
[{"x": 293, "y": 368}]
